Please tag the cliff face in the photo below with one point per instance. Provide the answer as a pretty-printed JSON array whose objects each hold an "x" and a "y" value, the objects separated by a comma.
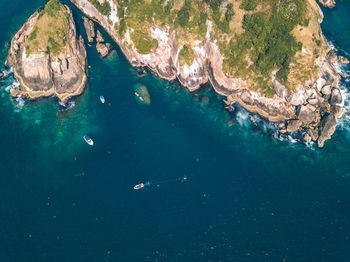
[
  {"x": 314, "y": 104},
  {"x": 59, "y": 69}
]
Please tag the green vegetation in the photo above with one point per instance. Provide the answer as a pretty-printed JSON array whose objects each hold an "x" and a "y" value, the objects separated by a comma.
[
  {"x": 51, "y": 30},
  {"x": 248, "y": 5},
  {"x": 259, "y": 41},
  {"x": 267, "y": 43},
  {"x": 143, "y": 42},
  {"x": 186, "y": 55},
  {"x": 52, "y": 8},
  {"x": 104, "y": 8}
]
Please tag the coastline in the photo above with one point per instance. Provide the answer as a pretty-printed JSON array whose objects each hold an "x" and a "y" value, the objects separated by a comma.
[
  {"x": 207, "y": 67},
  {"x": 43, "y": 74}
]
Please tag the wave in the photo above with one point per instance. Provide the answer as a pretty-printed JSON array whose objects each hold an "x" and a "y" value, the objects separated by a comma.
[
  {"x": 19, "y": 103},
  {"x": 69, "y": 105},
  {"x": 13, "y": 85},
  {"x": 7, "y": 72}
]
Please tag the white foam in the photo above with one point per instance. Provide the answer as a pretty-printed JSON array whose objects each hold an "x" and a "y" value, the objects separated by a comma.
[
  {"x": 20, "y": 102},
  {"x": 69, "y": 105},
  {"x": 6, "y": 72},
  {"x": 14, "y": 85}
]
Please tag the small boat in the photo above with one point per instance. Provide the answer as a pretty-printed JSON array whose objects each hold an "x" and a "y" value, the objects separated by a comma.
[
  {"x": 139, "y": 186},
  {"x": 103, "y": 100},
  {"x": 142, "y": 72},
  {"x": 140, "y": 97},
  {"x": 88, "y": 140}
]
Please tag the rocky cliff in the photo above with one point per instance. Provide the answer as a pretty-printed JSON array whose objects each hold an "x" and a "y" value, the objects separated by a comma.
[
  {"x": 47, "y": 56},
  {"x": 314, "y": 104}
]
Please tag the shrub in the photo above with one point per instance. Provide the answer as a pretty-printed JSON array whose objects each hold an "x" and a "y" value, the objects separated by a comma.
[
  {"x": 52, "y": 8},
  {"x": 186, "y": 55},
  {"x": 104, "y": 8},
  {"x": 248, "y": 5}
]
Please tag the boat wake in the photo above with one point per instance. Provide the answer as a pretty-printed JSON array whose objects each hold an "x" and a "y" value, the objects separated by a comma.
[{"x": 159, "y": 183}]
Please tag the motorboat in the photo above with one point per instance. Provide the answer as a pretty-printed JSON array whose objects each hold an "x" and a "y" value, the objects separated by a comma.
[
  {"x": 139, "y": 186},
  {"x": 88, "y": 140},
  {"x": 103, "y": 100}
]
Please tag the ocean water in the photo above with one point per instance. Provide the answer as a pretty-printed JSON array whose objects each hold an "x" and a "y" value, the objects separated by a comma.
[{"x": 248, "y": 196}]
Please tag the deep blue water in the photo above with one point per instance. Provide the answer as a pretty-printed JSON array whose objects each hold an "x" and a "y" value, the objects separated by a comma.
[{"x": 248, "y": 197}]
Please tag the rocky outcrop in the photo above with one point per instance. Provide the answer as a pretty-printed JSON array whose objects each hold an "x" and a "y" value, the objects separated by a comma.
[
  {"x": 90, "y": 29},
  {"x": 343, "y": 60},
  {"x": 327, "y": 128},
  {"x": 327, "y": 3},
  {"x": 103, "y": 49},
  {"x": 43, "y": 74},
  {"x": 302, "y": 109},
  {"x": 99, "y": 37}
]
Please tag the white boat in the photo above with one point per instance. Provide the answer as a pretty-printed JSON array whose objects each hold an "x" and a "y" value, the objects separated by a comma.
[
  {"x": 103, "y": 100},
  {"x": 88, "y": 140},
  {"x": 139, "y": 186}
]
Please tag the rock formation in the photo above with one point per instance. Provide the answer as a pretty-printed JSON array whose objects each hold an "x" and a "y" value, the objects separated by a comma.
[
  {"x": 327, "y": 3},
  {"x": 312, "y": 107},
  {"x": 90, "y": 29},
  {"x": 57, "y": 70}
]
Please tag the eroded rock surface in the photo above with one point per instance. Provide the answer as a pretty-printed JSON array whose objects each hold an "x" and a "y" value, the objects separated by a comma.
[
  {"x": 90, "y": 29},
  {"x": 307, "y": 103},
  {"x": 45, "y": 73}
]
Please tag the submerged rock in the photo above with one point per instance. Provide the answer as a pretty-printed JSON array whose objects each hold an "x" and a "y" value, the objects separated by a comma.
[
  {"x": 293, "y": 125},
  {"x": 142, "y": 95},
  {"x": 57, "y": 70}
]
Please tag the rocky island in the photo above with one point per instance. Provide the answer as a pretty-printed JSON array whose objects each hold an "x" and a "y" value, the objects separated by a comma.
[{"x": 47, "y": 56}]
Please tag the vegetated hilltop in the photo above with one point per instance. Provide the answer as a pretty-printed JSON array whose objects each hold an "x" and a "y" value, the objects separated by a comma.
[
  {"x": 46, "y": 55},
  {"x": 255, "y": 37}
]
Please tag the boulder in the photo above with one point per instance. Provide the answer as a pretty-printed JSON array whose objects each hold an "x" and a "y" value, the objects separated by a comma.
[
  {"x": 327, "y": 128},
  {"x": 312, "y": 101},
  {"x": 343, "y": 60},
  {"x": 332, "y": 57},
  {"x": 306, "y": 138},
  {"x": 293, "y": 125},
  {"x": 307, "y": 114},
  {"x": 283, "y": 131},
  {"x": 326, "y": 90},
  {"x": 281, "y": 125},
  {"x": 89, "y": 28},
  {"x": 313, "y": 132},
  {"x": 336, "y": 97},
  {"x": 338, "y": 111}
]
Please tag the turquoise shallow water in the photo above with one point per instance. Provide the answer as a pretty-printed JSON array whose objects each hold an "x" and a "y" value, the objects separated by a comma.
[{"x": 249, "y": 197}]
